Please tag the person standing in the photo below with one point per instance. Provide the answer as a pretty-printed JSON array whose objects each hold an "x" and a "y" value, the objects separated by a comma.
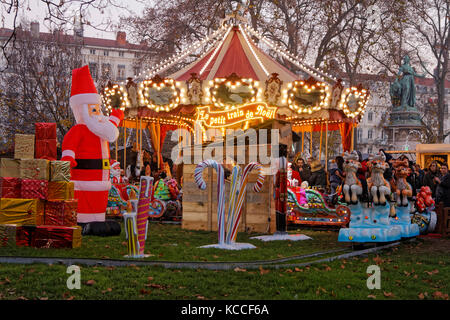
[
  {"x": 430, "y": 177},
  {"x": 337, "y": 174},
  {"x": 443, "y": 186}
]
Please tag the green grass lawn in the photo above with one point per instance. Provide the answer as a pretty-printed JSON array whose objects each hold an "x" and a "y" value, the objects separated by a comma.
[
  {"x": 417, "y": 270},
  {"x": 171, "y": 243}
]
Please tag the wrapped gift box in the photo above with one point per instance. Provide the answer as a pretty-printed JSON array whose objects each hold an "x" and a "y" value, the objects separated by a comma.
[
  {"x": 8, "y": 235},
  {"x": 61, "y": 213},
  {"x": 9, "y": 168},
  {"x": 60, "y": 190},
  {"x": 56, "y": 237},
  {"x": 24, "y": 146},
  {"x": 24, "y": 235},
  {"x": 59, "y": 171},
  {"x": 21, "y": 211},
  {"x": 45, "y": 149},
  {"x": 34, "y": 189},
  {"x": 44, "y": 130},
  {"x": 34, "y": 169},
  {"x": 10, "y": 187}
]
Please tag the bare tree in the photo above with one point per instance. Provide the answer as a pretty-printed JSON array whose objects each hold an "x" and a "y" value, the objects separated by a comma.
[
  {"x": 429, "y": 21},
  {"x": 36, "y": 85},
  {"x": 59, "y": 14}
]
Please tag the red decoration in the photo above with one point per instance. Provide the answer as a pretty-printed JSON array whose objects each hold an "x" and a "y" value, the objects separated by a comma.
[
  {"x": 45, "y": 149},
  {"x": 24, "y": 235},
  {"x": 10, "y": 187},
  {"x": 61, "y": 213},
  {"x": 34, "y": 189},
  {"x": 82, "y": 82},
  {"x": 45, "y": 131},
  {"x": 54, "y": 237}
]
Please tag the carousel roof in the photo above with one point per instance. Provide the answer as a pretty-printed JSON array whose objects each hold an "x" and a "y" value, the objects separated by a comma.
[
  {"x": 231, "y": 49},
  {"x": 235, "y": 53}
]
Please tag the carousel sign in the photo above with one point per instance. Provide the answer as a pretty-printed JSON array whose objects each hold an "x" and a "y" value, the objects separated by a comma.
[{"x": 227, "y": 118}]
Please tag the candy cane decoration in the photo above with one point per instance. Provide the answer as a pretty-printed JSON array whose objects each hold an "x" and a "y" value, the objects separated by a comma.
[
  {"x": 234, "y": 192},
  {"x": 241, "y": 196},
  {"x": 220, "y": 192},
  {"x": 146, "y": 190}
]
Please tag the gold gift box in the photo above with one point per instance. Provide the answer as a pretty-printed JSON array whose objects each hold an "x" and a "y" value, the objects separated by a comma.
[
  {"x": 9, "y": 168},
  {"x": 59, "y": 171},
  {"x": 35, "y": 169},
  {"x": 21, "y": 211},
  {"x": 24, "y": 146},
  {"x": 60, "y": 190}
]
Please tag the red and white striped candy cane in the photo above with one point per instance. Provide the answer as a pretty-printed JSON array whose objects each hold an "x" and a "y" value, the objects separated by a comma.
[
  {"x": 220, "y": 192},
  {"x": 242, "y": 192}
]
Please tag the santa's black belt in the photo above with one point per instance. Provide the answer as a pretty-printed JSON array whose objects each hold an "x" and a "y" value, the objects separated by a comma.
[{"x": 98, "y": 164}]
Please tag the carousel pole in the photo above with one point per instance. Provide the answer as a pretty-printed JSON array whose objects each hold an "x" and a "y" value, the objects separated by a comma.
[
  {"x": 320, "y": 143},
  {"x": 303, "y": 139},
  {"x": 310, "y": 142},
  {"x": 326, "y": 146},
  {"x": 353, "y": 138},
  {"x": 125, "y": 147},
  {"x": 117, "y": 145},
  {"x": 140, "y": 143}
]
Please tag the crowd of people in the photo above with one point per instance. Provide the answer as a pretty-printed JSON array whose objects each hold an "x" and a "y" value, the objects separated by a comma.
[{"x": 436, "y": 176}]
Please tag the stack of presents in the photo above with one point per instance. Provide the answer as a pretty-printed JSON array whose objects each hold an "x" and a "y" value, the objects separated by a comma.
[{"x": 37, "y": 205}]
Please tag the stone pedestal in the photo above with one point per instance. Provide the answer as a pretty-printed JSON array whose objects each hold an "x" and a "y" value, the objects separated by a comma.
[{"x": 401, "y": 128}]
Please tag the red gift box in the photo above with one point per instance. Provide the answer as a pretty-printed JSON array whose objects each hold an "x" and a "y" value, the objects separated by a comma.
[
  {"x": 45, "y": 149},
  {"x": 10, "y": 187},
  {"x": 34, "y": 189},
  {"x": 56, "y": 237},
  {"x": 24, "y": 235},
  {"x": 45, "y": 130},
  {"x": 61, "y": 213}
]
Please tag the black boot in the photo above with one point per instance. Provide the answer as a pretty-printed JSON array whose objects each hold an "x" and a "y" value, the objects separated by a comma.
[{"x": 103, "y": 229}]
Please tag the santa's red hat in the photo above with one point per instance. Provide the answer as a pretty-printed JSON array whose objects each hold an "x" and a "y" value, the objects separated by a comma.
[{"x": 83, "y": 88}]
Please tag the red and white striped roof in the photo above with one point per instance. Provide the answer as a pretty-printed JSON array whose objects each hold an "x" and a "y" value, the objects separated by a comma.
[{"x": 235, "y": 53}]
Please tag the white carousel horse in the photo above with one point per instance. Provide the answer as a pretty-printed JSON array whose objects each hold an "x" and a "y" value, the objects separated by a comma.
[{"x": 352, "y": 186}]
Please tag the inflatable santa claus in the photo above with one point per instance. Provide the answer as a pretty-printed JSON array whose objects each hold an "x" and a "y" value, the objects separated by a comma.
[
  {"x": 117, "y": 173},
  {"x": 86, "y": 146}
]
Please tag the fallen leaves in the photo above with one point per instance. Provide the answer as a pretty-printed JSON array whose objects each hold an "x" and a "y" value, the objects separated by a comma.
[
  {"x": 388, "y": 294},
  {"x": 440, "y": 295},
  {"x": 237, "y": 269},
  {"x": 371, "y": 296},
  {"x": 263, "y": 271},
  {"x": 90, "y": 282},
  {"x": 430, "y": 273}
]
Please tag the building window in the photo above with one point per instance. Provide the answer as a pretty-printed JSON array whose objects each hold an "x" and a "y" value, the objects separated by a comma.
[
  {"x": 136, "y": 55},
  {"x": 370, "y": 116},
  {"x": 369, "y": 134},
  {"x": 359, "y": 134},
  {"x": 92, "y": 51},
  {"x": 121, "y": 72},
  {"x": 369, "y": 150},
  {"x": 106, "y": 53},
  {"x": 137, "y": 71},
  {"x": 106, "y": 70},
  {"x": 121, "y": 54},
  {"x": 93, "y": 70}
]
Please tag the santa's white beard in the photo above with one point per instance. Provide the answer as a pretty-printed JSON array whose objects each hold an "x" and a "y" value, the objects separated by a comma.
[{"x": 100, "y": 126}]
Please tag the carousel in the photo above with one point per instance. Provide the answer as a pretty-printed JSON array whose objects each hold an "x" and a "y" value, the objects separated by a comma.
[{"x": 234, "y": 84}]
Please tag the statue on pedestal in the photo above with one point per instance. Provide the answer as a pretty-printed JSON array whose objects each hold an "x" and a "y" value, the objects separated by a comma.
[{"x": 403, "y": 89}]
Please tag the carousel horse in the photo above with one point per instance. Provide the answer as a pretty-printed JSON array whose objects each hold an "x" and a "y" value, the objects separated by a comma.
[
  {"x": 376, "y": 182},
  {"x": 400, "y": 186},
  {"x": 352, "y": 186}
]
